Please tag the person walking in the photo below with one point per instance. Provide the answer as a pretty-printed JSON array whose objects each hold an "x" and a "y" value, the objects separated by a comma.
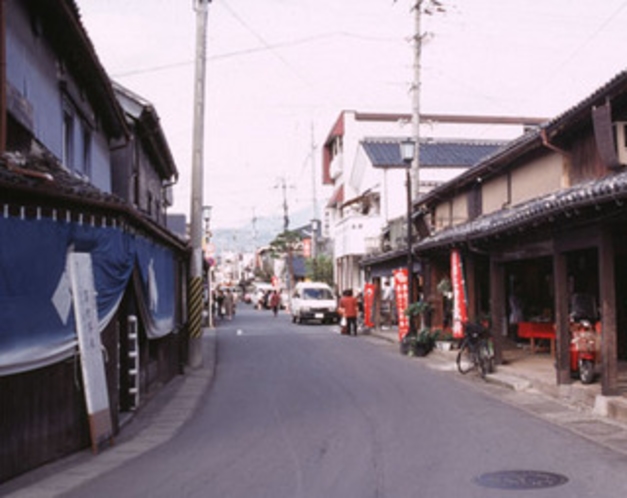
[
  {"x": 228, "y": 304},
  {"x": 220, "y": 304},
  {"x": 348, "y": 309},
  {"x": 275, "y": 301}
]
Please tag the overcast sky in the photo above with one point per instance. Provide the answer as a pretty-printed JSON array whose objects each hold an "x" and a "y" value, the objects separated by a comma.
[{"x": 279, "y": 71}]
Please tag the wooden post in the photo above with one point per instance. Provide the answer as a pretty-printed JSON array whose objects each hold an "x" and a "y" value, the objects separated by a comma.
[
  {"x": 471, "y": 287},
  {"x": 562, "y": 333},
  {"x": 377, "y": 302},
  {"x": 497, "y": 307},
  {"x": 609, "y": 376}
]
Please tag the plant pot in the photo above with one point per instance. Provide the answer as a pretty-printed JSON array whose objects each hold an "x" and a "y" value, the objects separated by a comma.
[
  {"x": 444, "y": 345},
  {"x": 421, "y": 349}
]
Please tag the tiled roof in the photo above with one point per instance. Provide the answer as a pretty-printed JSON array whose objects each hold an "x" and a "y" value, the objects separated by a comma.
[
  {"x": 610, "y": 191},
  {"x": 41, "y": 174},
  {"x": 433, "y": 153},
  {"x": 616, "y": 88},
  {"x": 39, "y": 179}
]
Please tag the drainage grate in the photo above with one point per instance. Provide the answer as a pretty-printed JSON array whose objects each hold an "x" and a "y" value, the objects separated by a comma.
[{"x": 521, "y": 479}]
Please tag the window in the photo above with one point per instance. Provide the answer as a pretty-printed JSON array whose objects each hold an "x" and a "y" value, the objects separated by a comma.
[
  {"x": 68, "y": 138},
  {"x": 474, "y": 202},
  {"x": 77, "y": 148},
  {"x": 85, "y": 166}
]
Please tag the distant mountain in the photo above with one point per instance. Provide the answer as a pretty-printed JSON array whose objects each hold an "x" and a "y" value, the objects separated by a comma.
[{"x": 246, "y": 238}]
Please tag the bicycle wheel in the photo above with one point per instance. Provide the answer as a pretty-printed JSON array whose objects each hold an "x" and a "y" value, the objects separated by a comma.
[
  {"x": 486, "y": 360},
  {"x": 465, "y": 361}
]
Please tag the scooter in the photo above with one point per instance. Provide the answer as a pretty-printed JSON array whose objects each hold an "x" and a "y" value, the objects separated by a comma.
[{"x": 585, "y": 332}]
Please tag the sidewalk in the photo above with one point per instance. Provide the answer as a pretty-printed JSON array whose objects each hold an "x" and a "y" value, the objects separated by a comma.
[
  {"x": 523, "y": 370},
  {"x": 152, "y": 426}
]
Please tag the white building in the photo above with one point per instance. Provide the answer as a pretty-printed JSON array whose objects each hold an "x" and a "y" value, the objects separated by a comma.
[{"x": 367, "y": 195}]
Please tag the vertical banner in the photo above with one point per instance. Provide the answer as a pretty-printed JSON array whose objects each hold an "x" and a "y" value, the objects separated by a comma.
[
  {"x": 401, "y": 289},
  {"x": 368, "y": 304},
  {"x": 460, "y": 309}
]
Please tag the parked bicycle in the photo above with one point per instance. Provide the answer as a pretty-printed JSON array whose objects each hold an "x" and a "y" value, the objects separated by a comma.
[{"x": 476, "y": 350}]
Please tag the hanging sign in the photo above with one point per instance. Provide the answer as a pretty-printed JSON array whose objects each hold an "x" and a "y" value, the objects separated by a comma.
[
  {"x": 401, "y": 290},
  {"x": 460, "y": 307},
  {"x": 90, "y": 347},
  {"x": 368, "y": 304}
]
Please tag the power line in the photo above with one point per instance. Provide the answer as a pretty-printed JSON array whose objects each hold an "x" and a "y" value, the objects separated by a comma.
[{"x": 266, "y": 48}]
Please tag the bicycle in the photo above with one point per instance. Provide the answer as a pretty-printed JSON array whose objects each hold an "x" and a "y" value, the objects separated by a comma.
[{"x": 476, "y": 351}]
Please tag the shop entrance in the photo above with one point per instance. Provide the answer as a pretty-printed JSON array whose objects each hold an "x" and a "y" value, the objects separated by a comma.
[{"x": 530, "y": 295}]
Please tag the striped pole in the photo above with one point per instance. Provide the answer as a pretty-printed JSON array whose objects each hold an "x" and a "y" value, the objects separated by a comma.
[{"x": 195, "y": 307}]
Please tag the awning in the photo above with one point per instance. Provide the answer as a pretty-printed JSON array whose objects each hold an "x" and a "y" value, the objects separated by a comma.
[
  {"x": 36, "y": 319},
  {"x": 382, "y": 265}
]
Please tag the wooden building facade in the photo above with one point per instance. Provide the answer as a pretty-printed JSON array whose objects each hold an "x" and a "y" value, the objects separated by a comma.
[{"x": 542, "y": 219}]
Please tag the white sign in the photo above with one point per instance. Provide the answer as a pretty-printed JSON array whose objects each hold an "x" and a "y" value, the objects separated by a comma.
[{"x": 91, "y": 350}]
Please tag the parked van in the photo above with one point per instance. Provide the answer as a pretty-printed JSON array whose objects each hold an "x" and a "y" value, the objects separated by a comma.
[{"x": 314, "y": 301}]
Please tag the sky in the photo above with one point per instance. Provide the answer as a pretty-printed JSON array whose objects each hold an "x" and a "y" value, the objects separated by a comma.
[{"x": 279, "y": 73}]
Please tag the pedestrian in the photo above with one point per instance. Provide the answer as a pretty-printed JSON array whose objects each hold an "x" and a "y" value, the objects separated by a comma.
[
  {"x": 220, "y": 303},
  {"x": 228, "y": 304},
  {"x": 348, "y": 309},
  {"x": 275, "y": 301},
  {"x": 387, "y": 307}
]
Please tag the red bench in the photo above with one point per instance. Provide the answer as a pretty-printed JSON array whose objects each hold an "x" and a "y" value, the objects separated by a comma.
[{"x": 537, "y": 330}]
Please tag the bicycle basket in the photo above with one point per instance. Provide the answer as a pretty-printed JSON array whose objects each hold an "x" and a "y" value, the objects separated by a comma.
[{"x": 474, "y": 331}]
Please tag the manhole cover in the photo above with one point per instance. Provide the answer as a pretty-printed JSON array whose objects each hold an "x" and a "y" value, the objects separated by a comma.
[{"x": 521, "y": 479}]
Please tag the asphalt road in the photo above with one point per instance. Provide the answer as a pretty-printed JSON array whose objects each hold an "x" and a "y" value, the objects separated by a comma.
[{"x": 299, "y": 411}]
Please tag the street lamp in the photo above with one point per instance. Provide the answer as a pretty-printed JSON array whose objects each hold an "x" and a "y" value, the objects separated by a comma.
[
  {"x": 206, "y": 216},
  {"x": 408, "y": 152}
]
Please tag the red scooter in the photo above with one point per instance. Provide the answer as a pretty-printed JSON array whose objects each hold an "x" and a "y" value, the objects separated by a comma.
[{"x": 585, "y": 333}]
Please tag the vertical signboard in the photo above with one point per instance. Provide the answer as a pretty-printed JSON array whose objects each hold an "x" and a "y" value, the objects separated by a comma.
[
  {"x": 460, "y": 310},
  {"x": 401, "y": 290},
  {"x": 368, "y": 304},
  {"x": 90, "y": 347}
]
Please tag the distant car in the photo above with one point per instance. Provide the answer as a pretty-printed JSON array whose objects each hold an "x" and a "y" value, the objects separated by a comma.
[{"x": 314, "y": 301}]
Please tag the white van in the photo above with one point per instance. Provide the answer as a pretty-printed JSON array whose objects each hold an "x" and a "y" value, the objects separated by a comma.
[{"x": 314, "y": 301}]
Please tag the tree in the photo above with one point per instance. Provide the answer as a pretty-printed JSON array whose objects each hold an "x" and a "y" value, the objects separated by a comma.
[
  {"x": 320, "y": 269},
  {"x": 283, "y": 246},
  {"x": 286, "y": 241}
]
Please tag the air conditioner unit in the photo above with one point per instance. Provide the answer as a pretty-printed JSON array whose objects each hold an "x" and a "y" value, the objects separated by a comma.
[{"x": 620, "y": 141}]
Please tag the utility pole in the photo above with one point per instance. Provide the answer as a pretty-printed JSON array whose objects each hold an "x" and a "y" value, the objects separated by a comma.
[
  {"x": 254, "y": 221},
  {"x": 286, "y": 218},
  {"x": 195, "y": 302},
  {"x": 416, "y": 100},
  {"x": 314, "y": 219}
]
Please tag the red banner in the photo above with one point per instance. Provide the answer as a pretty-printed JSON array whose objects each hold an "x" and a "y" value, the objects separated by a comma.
[
  {"x": 401, "y": 289},
  {"x": 460, "y": 307},
  {"x": 307, "y": 248},
  {"x": 368, "y": 304}
]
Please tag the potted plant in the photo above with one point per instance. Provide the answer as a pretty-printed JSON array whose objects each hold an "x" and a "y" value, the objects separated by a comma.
[
  {"x": 419, "y": 344},
  {"x": 444, "y": 340}
]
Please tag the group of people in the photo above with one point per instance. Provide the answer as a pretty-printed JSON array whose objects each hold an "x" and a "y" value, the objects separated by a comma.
[{"x": 224, "y": 303}]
